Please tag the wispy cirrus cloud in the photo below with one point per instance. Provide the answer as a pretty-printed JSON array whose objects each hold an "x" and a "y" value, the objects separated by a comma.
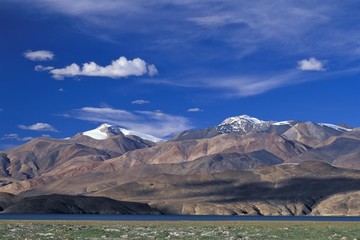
[
  {"x": 44, "y": 127},
  {"x": 244, "y": 25},
  {"x": 140, "y": 101},
  {"x": 196, "y": 109},
  {"x": 215, "y": 20},
  {"x": 119, "y": 68},
  {"x": 102, "y": 114},
  {"x": 239, "y": 85},
  {"x": 227, "y": 32},
  {"x": 41, "y": 55},
  {"x": 85, "y": 7},
  {"x": 244, "y": 86},
  {"x": 312, "y": 64},
  {"x": 15, "y": 136},
  {"x": 41, "y": 68},
  {"x": 155, "y": 123},
  {"x": 257, "y": 20}
]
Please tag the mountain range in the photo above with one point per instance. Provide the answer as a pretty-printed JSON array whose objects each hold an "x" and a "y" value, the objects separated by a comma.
[{"x": 242, "y": 166}]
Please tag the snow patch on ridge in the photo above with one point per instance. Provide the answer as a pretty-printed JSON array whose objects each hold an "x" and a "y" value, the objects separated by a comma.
[
  {"x": 336, "y": 127},
  {"x": 281, "y": 123},
  {"x": 127, "y": 132}
]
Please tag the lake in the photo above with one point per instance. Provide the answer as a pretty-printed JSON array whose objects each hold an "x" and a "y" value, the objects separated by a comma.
[{"x": 119, "y": 217}]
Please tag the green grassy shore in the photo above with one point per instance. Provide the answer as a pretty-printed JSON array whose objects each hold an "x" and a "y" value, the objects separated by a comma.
[{"x": 11, "y": 229}]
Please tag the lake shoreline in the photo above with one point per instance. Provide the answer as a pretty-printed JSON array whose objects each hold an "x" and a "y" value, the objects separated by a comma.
[
  {"x": 172, "y": 218},
  {"x": 184, "y": 223}
]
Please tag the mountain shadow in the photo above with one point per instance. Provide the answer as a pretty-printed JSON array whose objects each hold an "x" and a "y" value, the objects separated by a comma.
[{"x": 76, "y": 205}]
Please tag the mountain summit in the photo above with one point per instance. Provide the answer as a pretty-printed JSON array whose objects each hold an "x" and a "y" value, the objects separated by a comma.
[
  {"x": 105, "y": 131},
  {"x": 244, "y": 123}
]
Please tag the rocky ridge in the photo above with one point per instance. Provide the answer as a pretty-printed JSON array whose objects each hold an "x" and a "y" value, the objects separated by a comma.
[{"x": 283, "y": 168}]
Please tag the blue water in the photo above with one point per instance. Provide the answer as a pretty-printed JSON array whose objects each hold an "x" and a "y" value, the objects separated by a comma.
[{"x": 107, "y": 217}]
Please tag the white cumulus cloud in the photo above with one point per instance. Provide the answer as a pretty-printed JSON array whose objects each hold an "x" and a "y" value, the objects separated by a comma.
[
  {"x": 194, "y": 110},
  {"x": 140, "y": 101},
  {"x": 152, "y": 70},
  {"x": 41, "y": 55},
  {"x": 312, "y": 64},
  {"x": 155, "y": 123},
  {"x": 119, "y": 68},
  {"x": 39, "y": 127}
]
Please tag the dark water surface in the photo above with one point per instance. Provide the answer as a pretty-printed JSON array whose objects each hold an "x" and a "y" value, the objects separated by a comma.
[{"x": 114, "y": 217}]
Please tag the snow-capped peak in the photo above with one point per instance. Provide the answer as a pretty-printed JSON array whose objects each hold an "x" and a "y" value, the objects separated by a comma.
[
  {"x": 243, "y": 123},
  {"x": 99, "y": 133},
  {"x": 104, "y": 131},
  {"x": 241, "y": 118},
  {"x": 246, "y": 124}
]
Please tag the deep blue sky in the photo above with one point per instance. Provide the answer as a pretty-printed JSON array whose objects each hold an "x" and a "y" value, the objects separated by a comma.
[{"x": 197, "y": 63}]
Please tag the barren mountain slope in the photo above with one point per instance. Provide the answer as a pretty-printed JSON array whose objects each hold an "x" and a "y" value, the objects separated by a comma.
[
  {"x": 189, "y": 150},
  {"x": 281, "y": 190},
  {"x": 44, "y": 154},
  {"x": 94, "y": 180},
  {"x": 311, "y": 134},
  {"x": 341, "y": 152}
]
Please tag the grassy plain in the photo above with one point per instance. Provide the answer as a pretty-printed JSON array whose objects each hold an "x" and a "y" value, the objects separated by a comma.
[{"x": 179, "y": 230}]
